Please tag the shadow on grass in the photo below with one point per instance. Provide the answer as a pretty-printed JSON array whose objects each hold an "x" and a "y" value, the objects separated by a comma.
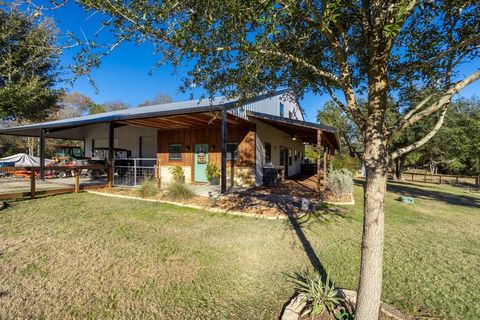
[
  {"x": 297, "y": 222},
  {"x": 421, "y": 192}
]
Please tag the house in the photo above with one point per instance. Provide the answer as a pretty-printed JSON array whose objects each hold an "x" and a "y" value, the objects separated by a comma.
[{"x": 269, "y": 129}]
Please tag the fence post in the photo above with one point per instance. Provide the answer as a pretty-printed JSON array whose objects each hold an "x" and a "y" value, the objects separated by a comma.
[
  {"x": 412, "y": 176},
  {"x": 440, "y": 179},
  {"x": 477, "y": 180},
  {"x": 77, "y": 181},
  {"x": 32, "y": 183},
  {"x": 158, "y": 174},
  {"x": 135, "y": 172}
]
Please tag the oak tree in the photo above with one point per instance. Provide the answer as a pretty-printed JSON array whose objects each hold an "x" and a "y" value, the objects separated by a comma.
[{"x": 348, "y": 49}]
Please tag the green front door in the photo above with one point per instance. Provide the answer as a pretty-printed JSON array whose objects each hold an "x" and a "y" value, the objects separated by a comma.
[{"x": 200, "y": 162}]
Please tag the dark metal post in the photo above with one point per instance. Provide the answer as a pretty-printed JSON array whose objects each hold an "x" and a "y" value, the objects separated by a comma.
[
  {"x": 223, "y": 184},
  {"x": 319, "y": 160},
  {"x": 325, "y": 158},
  {"x": 111, "y": 152},
  {"x": 42, "y": 154}
]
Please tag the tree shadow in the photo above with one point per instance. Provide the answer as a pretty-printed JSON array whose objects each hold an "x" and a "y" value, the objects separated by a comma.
[
  {"x": 296, "y": 224},
  {"x": 436, "y": 195},
  {"x": 419, "y": 192}
]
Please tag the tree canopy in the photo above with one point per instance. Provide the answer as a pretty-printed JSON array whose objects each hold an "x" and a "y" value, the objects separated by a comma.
[
  {"x": 350, "y": 50},
  {"x": 28, "y": 66},
  {"x": 159, "y": 99}
]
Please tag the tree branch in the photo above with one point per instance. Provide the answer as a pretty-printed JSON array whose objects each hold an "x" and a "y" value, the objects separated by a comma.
[
  {"x": 425, "y": 139},
  {"x": 360, "y": 121},
  {"x": 413, "y": 117},
  {"x": 421, "y": 64}
]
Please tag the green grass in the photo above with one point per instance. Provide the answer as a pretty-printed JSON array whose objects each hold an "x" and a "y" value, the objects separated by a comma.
[{"x": 88, "y": 256}]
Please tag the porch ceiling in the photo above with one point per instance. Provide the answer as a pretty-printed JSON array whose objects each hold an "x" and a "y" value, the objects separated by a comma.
[
  {"x": 302, "y": 130},
  {"x": 185, "y": 121}
]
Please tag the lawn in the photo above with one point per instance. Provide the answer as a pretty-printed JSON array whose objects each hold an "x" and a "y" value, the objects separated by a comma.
[{"x": 88, "y": 256}]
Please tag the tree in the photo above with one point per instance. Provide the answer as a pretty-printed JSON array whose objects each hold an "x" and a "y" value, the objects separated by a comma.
[
  {"x": 107, "y": 107},
  {"x": 461, "y": 155},
  {"x": 349, "y": 134},
  {"x": 371, "y": 49},
  {"x": 159, "y": 99},
  {"x": 28, "y": 66},
  {"x": 76, "y": 104},
  {"x": 73, "y": 105}
]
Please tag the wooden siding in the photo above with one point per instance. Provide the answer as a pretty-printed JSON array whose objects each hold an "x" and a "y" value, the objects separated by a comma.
[{"x": 243, "y": 135}]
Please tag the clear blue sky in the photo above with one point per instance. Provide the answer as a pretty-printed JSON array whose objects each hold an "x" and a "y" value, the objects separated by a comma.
[{"x": 124, "y": 74}]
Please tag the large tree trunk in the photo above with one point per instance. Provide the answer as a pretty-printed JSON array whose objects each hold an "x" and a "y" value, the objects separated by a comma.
[
  {"x": 371, "y": 267},
  {"x": 377, "y": 162}
]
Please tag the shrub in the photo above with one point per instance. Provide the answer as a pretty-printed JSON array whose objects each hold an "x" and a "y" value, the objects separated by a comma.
[
  {"x": 345, "y": 161},
  {"x": 147, "y": 189},
  {"x": 212, "y": 171},
  {"x": 318, "y": 295},
  {"x": 340, "y": 183},
  {"x": 179, "y": 191},
  {"x": 177, "y": 172}
]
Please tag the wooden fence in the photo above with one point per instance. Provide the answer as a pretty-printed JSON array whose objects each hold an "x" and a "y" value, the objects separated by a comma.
[
  {"x": 440, "y": 178},
  {"x": 32, "y": 175}
]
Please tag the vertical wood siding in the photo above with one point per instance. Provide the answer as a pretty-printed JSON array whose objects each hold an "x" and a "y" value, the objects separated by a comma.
[{"x": 243, "y": 136}]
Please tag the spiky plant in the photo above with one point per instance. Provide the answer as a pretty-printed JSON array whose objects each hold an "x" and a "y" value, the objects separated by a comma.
[
  {"x": 179, "y": 191},
  {"x": 318, "y": 295},
  {"x": 148, "y": 189}
]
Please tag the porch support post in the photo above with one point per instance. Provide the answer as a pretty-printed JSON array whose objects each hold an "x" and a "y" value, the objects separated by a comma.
[
  {"x": 319, "y": 160},
  {"x": 325, "y": 156},
  {"x": 223, "y": 142},
  {"x": 42, "y": 154},
  {"x": 111, "y": 152}
]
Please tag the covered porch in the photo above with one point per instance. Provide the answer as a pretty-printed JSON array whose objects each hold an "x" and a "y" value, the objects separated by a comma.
[{"x": 190, "y": 138}]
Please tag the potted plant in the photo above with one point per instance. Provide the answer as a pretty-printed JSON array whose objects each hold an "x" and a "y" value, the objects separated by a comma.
[
  {"x": 178, "y": 174},
  {"x": 213, "y": 173}
]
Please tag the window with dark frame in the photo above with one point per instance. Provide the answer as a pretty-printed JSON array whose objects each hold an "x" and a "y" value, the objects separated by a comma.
[
  {"x": 232, "y": 148},
  {"x": 268, "y": 152},
  {"x": 289, "y": 157},
  {"x": 175, "y": 152},
  {"x": 295, "y": 155},
  {"x": 282, "y": 109}
]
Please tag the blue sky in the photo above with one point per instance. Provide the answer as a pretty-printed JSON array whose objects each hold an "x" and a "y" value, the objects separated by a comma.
[{"x": 125, "y": 74}]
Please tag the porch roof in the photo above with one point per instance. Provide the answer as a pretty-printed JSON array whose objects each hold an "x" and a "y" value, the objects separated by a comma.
[
  {"x": 129, "y": 116},
  {"x": 303, "y": 130}
]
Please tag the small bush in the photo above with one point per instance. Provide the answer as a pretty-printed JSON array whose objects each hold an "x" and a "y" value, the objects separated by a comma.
[
  {"x": 179, "y": 191},
  {"x": 148, "y": 189},
  {"x": 340, "y": 183},
  {"x": 345, "y": 161},
  {"x": 177, "y": 172},
  {"x": 318, "y": 295},
  {"x": 212, "y": 171}
]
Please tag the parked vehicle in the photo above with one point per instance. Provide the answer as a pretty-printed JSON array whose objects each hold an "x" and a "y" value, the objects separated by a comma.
[{"x": 121, "y": 157}]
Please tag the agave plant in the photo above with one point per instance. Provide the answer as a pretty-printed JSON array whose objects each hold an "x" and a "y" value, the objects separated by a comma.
[{"x": 318, "y": 295}]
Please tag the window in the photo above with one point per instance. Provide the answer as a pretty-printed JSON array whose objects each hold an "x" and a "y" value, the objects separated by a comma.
[
  {"x": 296, "y": 155},
  {"x": 282, "y": 109},
  {"x": 290, "y": 115},
  {"x": 174, "y": 152},
  {"x": 232, "y": 149},
  {"x": 268, "y": 152},
  {"x": 289, "y": 157}
]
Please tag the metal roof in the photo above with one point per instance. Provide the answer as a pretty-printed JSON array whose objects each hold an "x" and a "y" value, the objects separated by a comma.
[{"x": 158, "y": 110}]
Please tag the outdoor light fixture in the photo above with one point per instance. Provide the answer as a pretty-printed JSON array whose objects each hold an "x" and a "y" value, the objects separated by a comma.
[
  {"x": 294, "y": 138},
  {"x": 187, "y": 148},
  {"x": 213, "y": 147}
]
